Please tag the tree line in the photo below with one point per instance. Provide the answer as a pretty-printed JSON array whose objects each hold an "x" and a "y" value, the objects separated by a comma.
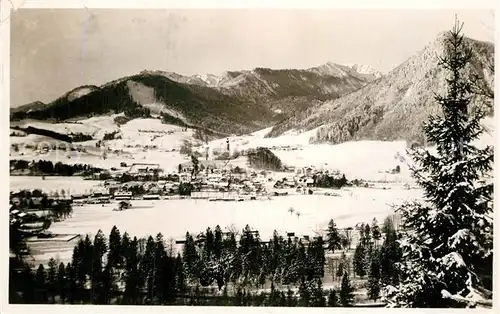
[
  {"x": 325, "y": 180},
  {"x": 69, "y": 138},
  {"x": 47, "y": 167},
  {"x": 126, "y": 270}
]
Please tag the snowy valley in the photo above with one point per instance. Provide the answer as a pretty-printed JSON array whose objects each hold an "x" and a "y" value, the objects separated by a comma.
[{"x": 297, "y": 166}]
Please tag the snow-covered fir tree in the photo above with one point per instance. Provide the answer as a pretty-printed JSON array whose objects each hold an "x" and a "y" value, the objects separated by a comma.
[
  {"x": 346, "y": 295},
  {"x": 334, "y": 240},
  {"x": 448, "y": 239}
]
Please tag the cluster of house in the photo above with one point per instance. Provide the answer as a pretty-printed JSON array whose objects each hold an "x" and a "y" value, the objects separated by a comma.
[
  {"x": 206, "y": 176},
  {"x": 139, "y": 171},
  {"x": 19, "y": 199},
  {"x": 32, "y": 210},
  {"x": 304, "y": 177},
  {"x": 287, "y": 147}
]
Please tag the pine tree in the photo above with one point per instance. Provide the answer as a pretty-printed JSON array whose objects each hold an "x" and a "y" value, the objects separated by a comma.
[
  {"x": 41, "y": 285},
  {"x": 148, "y": 268},
  {"x": 359, "y": 259},
  {"x": 376, "y": 235},
  {"x": 265, "y": 265},
  {"x": 105, "y": 289},
  {"x": 373, "y": 288},
  {"x": 448, "y": 248},
  {"x": 282, "y": 301},
  {"x": 179, "y": 270},
  {"x": 290, "y": 299},
  {"x": 347, "y": 239},
  {"x": 318, "y": 296},
  {"x": 346, "y": 295},
  {"x": 125, "y": 243},
  {"x": 276, "y": 253},
  {"x": 361, "y": 230},
  {"x": 390, "y": 255},
  {"x": 342, "y": 265},
  {"x": 52, "y": 280},
  {"x": 160, "y": 283},
  {"x": 209, "y": 242},
  {"x": 72, "y": 284},
  {"x": 317, "y": 257},
  {"x": 332, "y": 298},
  {"x": 301, "y": 268},
  {"x": 28, "y": 285},
  {"x": 304, "y": 294},
  {"x": 246, "y": 250},
  {"x": 367, "y": 235},
  {"x": 62, "y": 280},
  {"x": 374, "y": 276},
  {"x": 217, "y": 241},
  {"x": 133, "y": 278},
  {"x": 85, "y": 265},
  {"x": 190, "y": 258},
  {"x": 334, "y": 239},
  {"x": 115, "y": 257},
  {"x": 99, "y": 249}
]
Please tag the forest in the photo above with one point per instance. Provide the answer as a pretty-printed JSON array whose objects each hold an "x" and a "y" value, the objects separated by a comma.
[{"x": 212, "y": 268}]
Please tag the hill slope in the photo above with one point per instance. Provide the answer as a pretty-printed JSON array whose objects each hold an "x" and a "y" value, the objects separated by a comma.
[
  {"x": 191, "y": 104},
  {"x": 390, "y": 108},
  {"x": 238, "y": 102}
]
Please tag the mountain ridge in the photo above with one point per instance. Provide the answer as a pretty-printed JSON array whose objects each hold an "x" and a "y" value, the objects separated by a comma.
[
  {"x": 253, "y": 99},
  {"x": 391, "y": 107}
]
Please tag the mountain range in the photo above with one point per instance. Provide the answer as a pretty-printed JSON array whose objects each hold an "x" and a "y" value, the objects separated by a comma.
[
  {"x": 340, "y": 102},
  {"x": 392, "y": 107},
  {"x": 237, "y": 102}
]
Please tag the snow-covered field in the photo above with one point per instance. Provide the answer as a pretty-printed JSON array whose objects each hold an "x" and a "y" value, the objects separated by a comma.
[
  {"x": 368, "y": 160},
  {"x": 174, "y": 217}
]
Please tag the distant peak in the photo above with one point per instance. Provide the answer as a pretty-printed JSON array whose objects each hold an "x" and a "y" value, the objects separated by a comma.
[{"x": 364, "y": 69}]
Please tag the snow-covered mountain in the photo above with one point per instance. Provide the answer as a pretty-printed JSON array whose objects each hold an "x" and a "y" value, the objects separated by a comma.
[
  {"x": 283, "y": 91},
  {"x": 181, "y": 103},
  {"x": 232, "y": 78},
  {"x": 241, "y": 101},
  {"x": 365, "y": 69},
  {"x": 364, "y": 72},
  {"x": 391, "y": 107},
  {"x": 204, "y": 79}
]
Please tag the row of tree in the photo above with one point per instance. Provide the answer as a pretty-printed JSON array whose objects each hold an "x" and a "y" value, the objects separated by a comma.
[
  {"x": 377, "y": 261},
  {"x": 125, "y": 270},
  {"x": 329, "y": 180},
  {"x": 219, "y": 257},
  {"x": 69, "y": 138},
  {"x": 47, "y": 167}
]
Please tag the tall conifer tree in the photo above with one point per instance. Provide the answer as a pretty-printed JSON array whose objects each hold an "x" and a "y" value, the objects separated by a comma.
[{"x": 447, "y": 250}]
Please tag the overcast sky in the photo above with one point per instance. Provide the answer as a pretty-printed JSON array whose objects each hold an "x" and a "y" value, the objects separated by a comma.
[{"x": 56, "y": 50}]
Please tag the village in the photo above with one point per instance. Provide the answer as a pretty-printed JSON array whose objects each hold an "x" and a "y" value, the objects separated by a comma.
[{"x": 215, "y": 181}]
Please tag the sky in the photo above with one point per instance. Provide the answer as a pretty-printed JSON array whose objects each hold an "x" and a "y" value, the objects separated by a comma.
[{"x": 56, "y": 50}]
